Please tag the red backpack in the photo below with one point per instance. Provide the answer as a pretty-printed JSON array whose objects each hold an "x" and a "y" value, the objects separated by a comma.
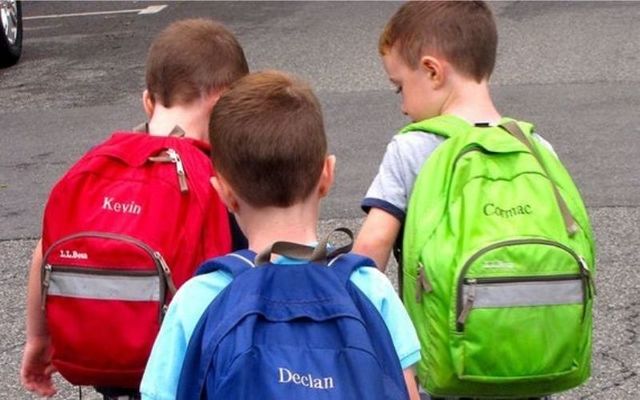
[{"x": 128, "y": 224}]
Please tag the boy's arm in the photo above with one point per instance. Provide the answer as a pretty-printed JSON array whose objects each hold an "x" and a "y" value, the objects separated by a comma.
[
  {"x": 412, "y": 386},
  {"x": 383, "y": 296},
  {"x": 36, "y": 369},
  {"x": 387, "y": 197},
  {"x": 377, "y": 236},
  {"x": 389, "y": 193},
  {"x": 162, "y": 373}
]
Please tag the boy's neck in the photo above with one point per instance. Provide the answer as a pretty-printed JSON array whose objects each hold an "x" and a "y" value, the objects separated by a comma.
[
  {"x": 472, "y": 102},
  {"x": 193, "y": 119},
  {"x": 267, "y": 225}
]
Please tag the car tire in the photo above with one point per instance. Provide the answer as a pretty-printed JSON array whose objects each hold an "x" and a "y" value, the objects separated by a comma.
[{"x": 10, "y": 32}]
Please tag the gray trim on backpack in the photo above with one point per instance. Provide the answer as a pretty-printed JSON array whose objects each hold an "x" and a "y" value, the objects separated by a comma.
[
  {"x": 522, "y": 294},
  {"x": 104, "y": 287}
]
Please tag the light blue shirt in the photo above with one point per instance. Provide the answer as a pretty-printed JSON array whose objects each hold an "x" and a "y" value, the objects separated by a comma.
[{"x": 161, "y": 376}]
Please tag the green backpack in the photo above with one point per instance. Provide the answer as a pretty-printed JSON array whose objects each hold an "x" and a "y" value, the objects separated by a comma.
[{"x": 498, "y": 260}]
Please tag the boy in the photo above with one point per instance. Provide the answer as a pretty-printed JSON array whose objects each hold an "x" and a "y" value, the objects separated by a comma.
[
  {"x": 269, "y": 148},
  {"x": 439, "y": 56},
  {"x": 189, "y": 65},
  {"x": 437, "y": 73}
]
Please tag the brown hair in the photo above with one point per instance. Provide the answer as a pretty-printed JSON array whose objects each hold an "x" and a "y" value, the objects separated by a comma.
[
  {"x": 463, "y": 32},
  {"x": 191, "y": 57},
  {"x": 268, "y": 139}
]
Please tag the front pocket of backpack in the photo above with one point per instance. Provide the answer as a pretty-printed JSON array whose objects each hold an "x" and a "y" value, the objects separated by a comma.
[
  {"x": 104, "y": 296},
  {"x": 521, "y": 328}
]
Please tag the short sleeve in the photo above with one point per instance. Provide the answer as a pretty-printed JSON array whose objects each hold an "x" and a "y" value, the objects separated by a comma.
[{"x": 398, "y": 170}]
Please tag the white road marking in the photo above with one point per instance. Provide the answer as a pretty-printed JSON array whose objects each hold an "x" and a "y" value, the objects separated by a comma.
[
  {"x": 152, "y": 9},
  {"x": 40, "y": 28},
  {"x": 139, "y": 11}
]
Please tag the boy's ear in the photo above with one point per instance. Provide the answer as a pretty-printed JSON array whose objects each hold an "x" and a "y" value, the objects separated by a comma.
[
  {"x": 226, "y": 193},
  {"x": 434, "y": 68},
  {"x": 327, "y": 175},
  {"x": 147, "y": 103},
  {"x": 213, "y": 96}
]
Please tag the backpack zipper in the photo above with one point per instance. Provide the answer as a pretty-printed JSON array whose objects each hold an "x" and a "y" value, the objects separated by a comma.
[
  {"x": 162, "y": 268},
  {"x": 511, "y": 279},
  {"x": 468, "y": 305},
  {"x": 182, "y": 177},
  {"x": 463, "y": 310},
  {"x": 170, "y": 155},
  {"x": 46, "y": 278},
  {"x": 422, "y": 283},
  {"x": 167, "y": 272}
]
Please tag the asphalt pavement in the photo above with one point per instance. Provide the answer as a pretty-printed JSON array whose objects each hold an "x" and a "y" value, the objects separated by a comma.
[{"x": 569, "y": 67}]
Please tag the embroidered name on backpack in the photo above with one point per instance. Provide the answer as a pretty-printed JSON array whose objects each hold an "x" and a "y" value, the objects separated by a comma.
[
  {"x": 108, "y": 203},
  {"x": 491, "y": 209},
  {"x": 73, "y": 254},
  {"x": 286, "y": 376}
]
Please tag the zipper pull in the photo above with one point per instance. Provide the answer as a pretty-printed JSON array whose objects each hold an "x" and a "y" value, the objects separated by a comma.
[
  {"x": 46, "y": 279},
  {"x": 162, "y": 158},
  {"x": 586, "y": 273},
  {"x": 182, "y": 176},
  {"x": 167, "y": 273},
  {"x": 163, "y": 312},
  {"x": 422, "y": 283},
  {"x": 468, "y": 305}
]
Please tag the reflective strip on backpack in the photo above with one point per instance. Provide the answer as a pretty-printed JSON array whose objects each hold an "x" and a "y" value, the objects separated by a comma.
[
  {"x": 514, "y": 294},
  {"x": 105, "y": 287}
]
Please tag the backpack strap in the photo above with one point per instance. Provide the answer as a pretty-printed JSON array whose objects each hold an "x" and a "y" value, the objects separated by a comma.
[
  {"x": 233, "y": 263},
  {"x": 514, "y": 130},
  {"x": 287, "y": 249},
  {"x": 345, "y": 264},
  {"x": 321, "y": 253},
  {"x": 177, "y": 131},
  {"x": 142, "y": 128}
]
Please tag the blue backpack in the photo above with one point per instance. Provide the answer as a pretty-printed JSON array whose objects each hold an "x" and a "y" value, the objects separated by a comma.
[{"x": 291, "y": 332}]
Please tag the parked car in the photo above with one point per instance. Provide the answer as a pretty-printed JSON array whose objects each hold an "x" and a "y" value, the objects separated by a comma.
[{"x": 11, "y": 32}]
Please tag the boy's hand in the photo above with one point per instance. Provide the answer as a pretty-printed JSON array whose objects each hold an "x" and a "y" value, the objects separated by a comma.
[
  {"x": 36, "y": 369},
  {"x": 412, "y": 386}
]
